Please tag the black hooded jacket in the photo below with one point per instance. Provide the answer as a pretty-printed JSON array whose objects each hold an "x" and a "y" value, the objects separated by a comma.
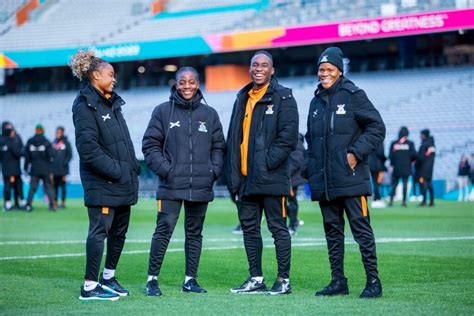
[
  {"x": 184, "y": 145},
  {"x": 402, "y": 154},
  {"x": 38, "y": 156},
  {"x": 273, "y": 136},
  {"x": 11, "y": 150},
  {"x": 425, "y": 160},
  {"x": 108, "y": 167},
  {"x": 341, "y": 120},
  {"x": 62, "y": 156}
]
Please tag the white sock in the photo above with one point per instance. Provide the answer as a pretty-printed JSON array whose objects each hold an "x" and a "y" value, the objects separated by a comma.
[
  {"x": 286, "y": 280},
  {"x": 89, "y": 285},
  {"x": 151, "y": 277},
  {"x": 187, "y": 278},
  {"x": 259, "y": 279},
  {"x": 108, "y": 274}
]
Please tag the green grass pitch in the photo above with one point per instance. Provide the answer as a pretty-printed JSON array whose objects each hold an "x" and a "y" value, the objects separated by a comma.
[{"x": 426, "y": 263}]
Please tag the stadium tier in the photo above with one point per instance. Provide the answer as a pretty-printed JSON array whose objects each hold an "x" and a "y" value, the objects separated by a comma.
[
  {"x": 438, "y": 99},
  {"x": 70, "y": 23}
]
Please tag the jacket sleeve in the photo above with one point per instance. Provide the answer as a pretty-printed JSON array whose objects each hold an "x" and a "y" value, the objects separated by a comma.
[
  {"x": 131, "y": 148},
  {"x": 287, "y": 132},
  {"x": 413, "y": 153},
  {"x": 372, "y": 124},
  {"x": 217, "y": 146},
  {"x": 309, "y": 143},
  {"x": 87, "y": 144},
  {"x": 152, "y": 145},
  {"x": 68, "y": 152}
]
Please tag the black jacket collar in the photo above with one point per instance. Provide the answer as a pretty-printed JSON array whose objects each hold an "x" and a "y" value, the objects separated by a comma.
[
  {"x": 185, "y": 104},
  {"x": 94, "y": 97}
]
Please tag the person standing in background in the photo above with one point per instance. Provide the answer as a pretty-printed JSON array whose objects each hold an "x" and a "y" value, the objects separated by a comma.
[
  {"x": 464, "y": 170},
  {"x": 425, "y": 165},
  {"x": 402, "y": 154},
  {"x": 377, "y": 167},
  {"x": 62, "y": 157},
  {"x": 11, "y": 147},
  {"x": 297, "y": 164},
  {"x": 38, "y": 158}
]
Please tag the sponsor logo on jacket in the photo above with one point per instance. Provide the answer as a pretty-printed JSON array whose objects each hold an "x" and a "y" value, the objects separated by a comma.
[{"x": 106, "y": 117}]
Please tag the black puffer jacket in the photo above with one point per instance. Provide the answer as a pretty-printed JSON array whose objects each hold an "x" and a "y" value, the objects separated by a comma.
[
  {"x": 184, "y": 145},
  {"x": 62, "y": 156},
  {"x": 425, "y": 160},
  {"x": 402, "y": 154},
  {"x": 11, "y": 152},
  {"x": 341, "y": 120},
  {"x": 38, "y": 156},
  {"x": 273, "y": 136},
  {"x": 108, "y": 167},
  {"x": 377, "y": 160}
]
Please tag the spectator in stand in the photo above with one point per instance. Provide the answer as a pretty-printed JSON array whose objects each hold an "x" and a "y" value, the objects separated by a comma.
[
  {"x": 425, "y": 164},
  {"x": 464, "y": 170},
  {"x": 377, "y": 167},
  {"x": 11, "y": 147},
  {"x": 402, "y": 154},
  {"x": 38, "y": 158},
  {"x": 62, "y": 157}
]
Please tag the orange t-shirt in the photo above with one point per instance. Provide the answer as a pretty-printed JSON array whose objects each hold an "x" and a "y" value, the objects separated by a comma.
[{"x": 254, "y": 97}]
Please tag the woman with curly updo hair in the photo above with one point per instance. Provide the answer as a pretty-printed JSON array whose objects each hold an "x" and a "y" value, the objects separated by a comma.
[{"x": 109, "y": 172}]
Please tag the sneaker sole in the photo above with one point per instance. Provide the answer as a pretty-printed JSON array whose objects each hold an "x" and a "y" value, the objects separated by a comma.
[
  {"x": 329, "y": 295},
  {"x": 279, "y": 293},
  {"x": 95, "y": 298},
  {"x": 105, "y": 287},
  {"x": 254, "y": 292}
]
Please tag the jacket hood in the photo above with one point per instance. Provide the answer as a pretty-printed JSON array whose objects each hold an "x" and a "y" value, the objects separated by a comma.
[
  {"x": 181, "y": 102},
  {"x": 429, "y": 141},
  {"x": 403, "y": 132},
  {"x": 38, "y": 138}
]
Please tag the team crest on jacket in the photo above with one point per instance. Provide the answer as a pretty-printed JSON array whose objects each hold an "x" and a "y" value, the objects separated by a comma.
[
  {"x": 175, "y": 124},
  {"x": 340, "y": 109},
  {"x": 202, "y": 127},
  {"x": 269, "y": 109},
  {"x": 106, "y": 117}
]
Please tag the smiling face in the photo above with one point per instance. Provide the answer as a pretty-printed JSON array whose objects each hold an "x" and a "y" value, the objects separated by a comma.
[
  {"x": 261, "y": 70},
  {"x": 187, "y": 85},
  {"x": 328, "y": 74},
  {"x": 104, "y": 78}
]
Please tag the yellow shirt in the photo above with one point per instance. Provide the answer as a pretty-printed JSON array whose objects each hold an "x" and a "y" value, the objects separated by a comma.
[{"x": 254, "y": 97}]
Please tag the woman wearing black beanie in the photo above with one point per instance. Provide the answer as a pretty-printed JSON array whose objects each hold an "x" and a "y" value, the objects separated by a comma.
[{"x": 343, "y": 129}]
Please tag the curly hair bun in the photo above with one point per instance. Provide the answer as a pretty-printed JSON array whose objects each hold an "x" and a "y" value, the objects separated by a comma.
[{"x": 83, "y": 63}]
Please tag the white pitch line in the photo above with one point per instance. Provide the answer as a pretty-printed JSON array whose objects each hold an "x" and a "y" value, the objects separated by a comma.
[{"x": 304, "y": 244}]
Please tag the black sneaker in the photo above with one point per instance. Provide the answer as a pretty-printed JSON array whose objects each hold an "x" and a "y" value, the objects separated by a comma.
[
  {"x": 237, "y": 230},
  {"x": 113, "y": 286},
  {"x": 373, "y": 289},
  {"x": 28, "y": 208},
  {"x": 192, "y": 287},
  {"x": 281, "y": 286},
  {"x": 250, "y": 286},
  {"x": 336, "y": 287},
  {"x": 98, "y": 294},
  {"x": 152, "y": 288}
]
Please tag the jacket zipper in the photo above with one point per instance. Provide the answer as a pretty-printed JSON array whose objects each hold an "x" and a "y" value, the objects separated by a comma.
[
  {"x": 331, "y": 125},
  {"x": 326, "y": 108},
  {"x": 190, "y": 154}
]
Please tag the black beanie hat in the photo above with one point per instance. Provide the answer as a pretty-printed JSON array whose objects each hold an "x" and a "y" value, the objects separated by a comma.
[
  {"x": 426, "y": 133},
  {"x": 332, "y": 55},
  {"x": 403, "y": 132}
]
